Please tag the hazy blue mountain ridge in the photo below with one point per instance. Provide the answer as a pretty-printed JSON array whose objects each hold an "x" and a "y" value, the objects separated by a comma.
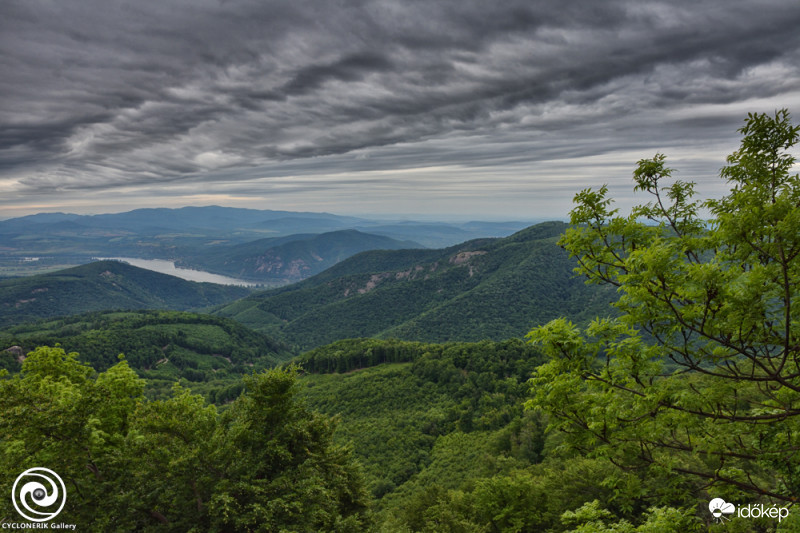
[{"x": 48, "y": 241}]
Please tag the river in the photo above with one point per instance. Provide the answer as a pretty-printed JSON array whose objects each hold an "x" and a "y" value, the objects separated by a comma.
[{"x": 168, "y": 267}]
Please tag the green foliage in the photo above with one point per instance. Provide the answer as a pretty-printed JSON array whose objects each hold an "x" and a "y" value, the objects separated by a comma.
[
  {"x": 444, "y": 441},
  {"x": 697, "y": 382},
  {"x": 483, "y": 379},
  {"x": 446, "y": 445},
  {"x": 520, "y": 498},
  {"x": 265, "y": 464},
  {"x": 351, "y": 354},
  {"x": 591, "y": 518}
]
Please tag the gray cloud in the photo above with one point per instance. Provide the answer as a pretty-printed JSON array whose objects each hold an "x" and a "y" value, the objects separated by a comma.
[{"x": 121, "y": 97}]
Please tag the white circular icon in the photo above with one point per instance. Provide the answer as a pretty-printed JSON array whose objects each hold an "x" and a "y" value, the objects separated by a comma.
[{"x": 40, "y": 493}]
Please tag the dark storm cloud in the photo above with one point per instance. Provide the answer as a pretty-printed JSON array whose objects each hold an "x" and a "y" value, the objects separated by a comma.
[
  {"x": 351, "y": 68},
  {"x": 104, "y": 94}
]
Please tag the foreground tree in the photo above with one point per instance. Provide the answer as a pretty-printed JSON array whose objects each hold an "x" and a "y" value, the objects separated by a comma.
[
  {"x": 699, "y": 374},
  {"x": 265, "y": 464}
]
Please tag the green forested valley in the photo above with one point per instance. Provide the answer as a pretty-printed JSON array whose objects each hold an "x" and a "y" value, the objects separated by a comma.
[{"x": 624, "y": 373}]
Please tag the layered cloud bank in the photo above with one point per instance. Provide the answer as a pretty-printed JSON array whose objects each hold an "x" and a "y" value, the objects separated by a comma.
[{"x": 398, "y": 106}]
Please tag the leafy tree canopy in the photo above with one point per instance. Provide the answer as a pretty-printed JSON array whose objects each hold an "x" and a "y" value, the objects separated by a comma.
[
  {"x": 699, "y": 375},
  {"x": 265, "y": 464}
]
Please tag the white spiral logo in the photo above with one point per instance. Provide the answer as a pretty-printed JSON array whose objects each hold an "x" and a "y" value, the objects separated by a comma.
[{"x": 42, "y": 488}]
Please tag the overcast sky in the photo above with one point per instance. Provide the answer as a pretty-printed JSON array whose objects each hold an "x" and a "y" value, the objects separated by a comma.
[{"x": 462, "y": 108}]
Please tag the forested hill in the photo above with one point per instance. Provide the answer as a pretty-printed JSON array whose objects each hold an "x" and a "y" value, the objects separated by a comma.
[
  {"x": 281, "y": 260},
  {"x": 209, "y": 354},
  {"x": 482, "y": 289},
  {"x": 104, "y": 285}
]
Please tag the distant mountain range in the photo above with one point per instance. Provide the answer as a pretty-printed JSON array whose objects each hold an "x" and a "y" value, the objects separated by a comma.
[
  {"x": 199, "y": 236},
  {"x": 104, "y": 285},
  {"x": 209, "y": 219},
  {"x": 481, "y": 289}
]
